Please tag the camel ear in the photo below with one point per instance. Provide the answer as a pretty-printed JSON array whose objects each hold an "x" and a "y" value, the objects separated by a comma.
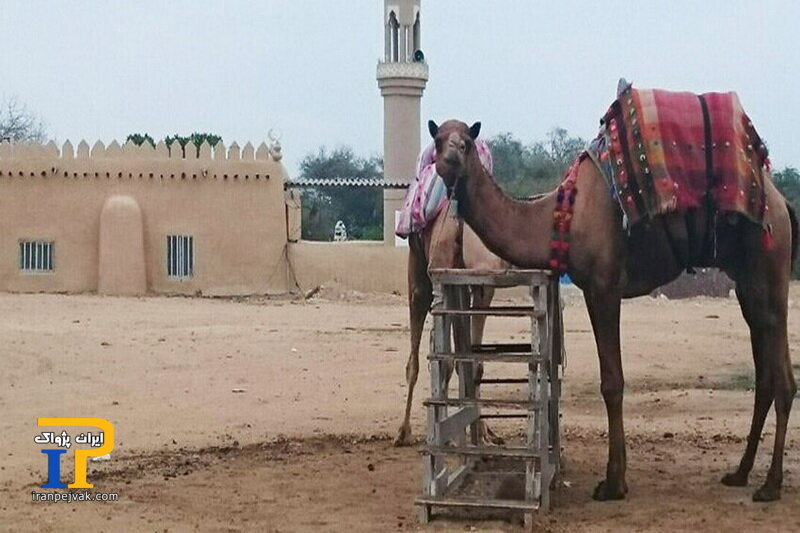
[
  {"x": 433, "y": 128},
  {"x": 474, "y": 130}
]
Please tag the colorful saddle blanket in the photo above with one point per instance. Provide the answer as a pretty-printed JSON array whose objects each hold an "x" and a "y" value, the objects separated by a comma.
[
  {"x": 665, "y": 151},
  {"x": 427, "y": 194}
]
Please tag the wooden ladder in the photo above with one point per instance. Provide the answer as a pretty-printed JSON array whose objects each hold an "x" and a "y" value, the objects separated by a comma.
[{"x": 453, "y": 422}]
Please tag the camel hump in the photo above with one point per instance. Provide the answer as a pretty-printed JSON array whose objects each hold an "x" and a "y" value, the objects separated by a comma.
[{"x": 622, "y": 86}]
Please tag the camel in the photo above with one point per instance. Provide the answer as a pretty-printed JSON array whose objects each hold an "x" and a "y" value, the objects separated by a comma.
[
  {"x": 609, "y": 265},
  {"x": 444, "y": 243}
]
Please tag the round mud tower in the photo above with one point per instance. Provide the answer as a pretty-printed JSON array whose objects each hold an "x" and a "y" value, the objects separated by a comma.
[{"x": 121, "y": 264}]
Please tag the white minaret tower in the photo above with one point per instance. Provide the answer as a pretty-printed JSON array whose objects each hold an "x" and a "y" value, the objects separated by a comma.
[{"x": 402, "y": 76}]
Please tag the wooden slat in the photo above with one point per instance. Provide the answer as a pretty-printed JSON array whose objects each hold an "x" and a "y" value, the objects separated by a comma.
[
  {"x": 501, "y": 347},
  {"x": 440, "y": 482},
  {"x": 486, "y": 358},
  {"x": 494, "y": 278},
  {"x": 515, "y": 505},
  {"x": 519, "y": 404},
  {"x": 435, "y": 468},
  {"x": 488, "y": 355},
  {"x": 483, "y": 451},
  {"x": 518, "y": 311},
  {"x": 454, "y": 479},
  {"x": 456, "y": 423}
]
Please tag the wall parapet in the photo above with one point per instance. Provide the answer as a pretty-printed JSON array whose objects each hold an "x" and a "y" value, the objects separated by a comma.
[
  {"x": 219, "y": 152},
  {"x": 145, "y": 161}
]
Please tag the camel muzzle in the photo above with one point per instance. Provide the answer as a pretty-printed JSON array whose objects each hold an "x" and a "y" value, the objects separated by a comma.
[{"x": 451, "y": 158}]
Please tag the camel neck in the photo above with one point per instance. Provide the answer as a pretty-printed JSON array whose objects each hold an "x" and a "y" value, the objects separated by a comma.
[{"x": 517, "y": 231}]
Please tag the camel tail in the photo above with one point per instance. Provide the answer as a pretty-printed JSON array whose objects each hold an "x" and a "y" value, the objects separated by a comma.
[{"x": 795, "y": 233}]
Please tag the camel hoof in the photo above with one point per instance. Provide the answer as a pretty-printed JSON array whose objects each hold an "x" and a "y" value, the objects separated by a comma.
[
  {"x": 494, "y": 440},
  {"x": 491, "y": 438},
  {"x": 767, "y": 493},
  {"x": 734, "y": 479},
  {"x": 606, "y": 492},
  {"x": 403, "y": 437}
]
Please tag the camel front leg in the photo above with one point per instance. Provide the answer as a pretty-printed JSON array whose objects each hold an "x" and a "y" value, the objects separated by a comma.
[{"x": 604, "y": 309}]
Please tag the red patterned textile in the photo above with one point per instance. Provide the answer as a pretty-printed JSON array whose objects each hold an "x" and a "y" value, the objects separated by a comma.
[
  {"x": 562, "y": 218},
  {"x": 664, "y": 155}
]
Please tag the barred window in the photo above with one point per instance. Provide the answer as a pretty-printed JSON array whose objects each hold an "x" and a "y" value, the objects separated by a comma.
[
  {"x": 180, "y": 256},
  {"x": 36, "y": 256}
]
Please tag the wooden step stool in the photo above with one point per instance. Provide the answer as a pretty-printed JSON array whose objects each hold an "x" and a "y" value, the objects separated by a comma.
[{"x": 453, "y": 423}]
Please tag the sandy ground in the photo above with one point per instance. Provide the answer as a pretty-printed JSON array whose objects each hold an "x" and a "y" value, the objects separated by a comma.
[{"x": 306, "y": 442}]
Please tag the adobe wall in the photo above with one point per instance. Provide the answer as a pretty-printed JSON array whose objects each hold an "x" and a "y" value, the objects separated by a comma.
[
  {"x": 356, "y": 265},
  {"x": 230, "y": 200},
  {"x": 365, "y": 266}
]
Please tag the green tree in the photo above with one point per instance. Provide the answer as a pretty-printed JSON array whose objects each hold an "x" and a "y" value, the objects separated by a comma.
[
  {"x": 138, "y": 139},
  {"x": 360, "y": 208},
  {"x": 195, "y": 139},
  {"x": 788, "y": 182},
  {"x": 523, "y": 170},
  {"x": 563, "y": 149},
  {"x": 511, "y": 160}
]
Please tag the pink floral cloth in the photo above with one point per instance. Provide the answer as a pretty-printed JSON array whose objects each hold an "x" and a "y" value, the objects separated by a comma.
[{"x": 427, "y": 194}]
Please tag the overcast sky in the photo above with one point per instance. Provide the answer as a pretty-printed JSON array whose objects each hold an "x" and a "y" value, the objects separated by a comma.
[{"x": 99, "y": 69}]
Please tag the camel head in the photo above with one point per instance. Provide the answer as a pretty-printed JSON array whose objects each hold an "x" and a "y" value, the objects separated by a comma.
[{"x": 454, "y": 141}]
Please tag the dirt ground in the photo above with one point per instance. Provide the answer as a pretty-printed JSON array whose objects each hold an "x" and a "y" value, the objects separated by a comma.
[{"x": 277, "y": 415}]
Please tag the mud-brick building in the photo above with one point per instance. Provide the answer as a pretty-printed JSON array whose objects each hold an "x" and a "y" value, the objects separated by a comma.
[{"x": 137, "y": 220}]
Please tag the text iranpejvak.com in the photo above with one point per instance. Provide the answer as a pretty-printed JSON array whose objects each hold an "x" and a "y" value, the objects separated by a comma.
[
  {"x": 74, "y": 496},
  {"x": 99, "y": 445}
]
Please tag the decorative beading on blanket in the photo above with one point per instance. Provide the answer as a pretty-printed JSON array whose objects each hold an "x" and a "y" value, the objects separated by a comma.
[
  {"x": 427, "y": 194},
  {"x": 660, "y": 155}
]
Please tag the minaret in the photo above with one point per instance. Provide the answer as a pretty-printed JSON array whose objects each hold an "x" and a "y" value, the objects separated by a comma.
[{"x": 402, "y": 76}]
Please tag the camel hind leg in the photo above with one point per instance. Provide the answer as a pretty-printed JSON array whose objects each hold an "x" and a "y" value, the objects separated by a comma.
[
  {"x": 762, "y": 288},
  {"x": 762, "y": 403},
  {"x": 482, "y": 297},
  {"x": 420, "y": 296}
]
